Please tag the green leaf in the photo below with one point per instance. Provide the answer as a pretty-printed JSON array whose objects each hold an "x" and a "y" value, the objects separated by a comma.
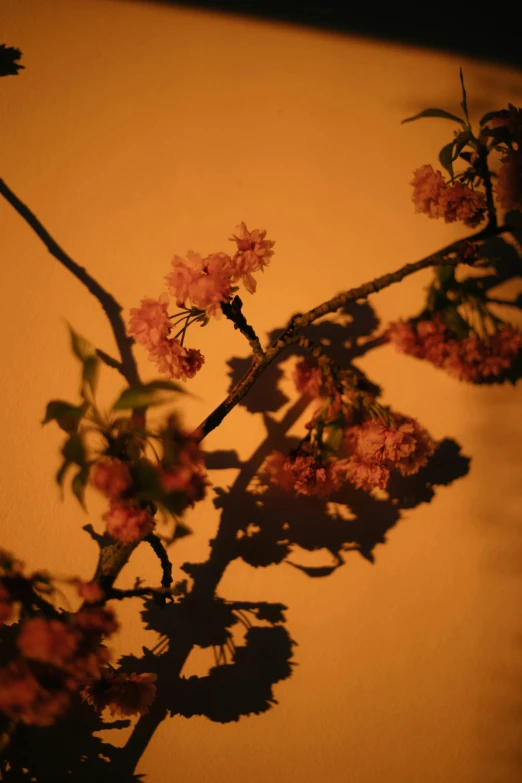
[
  {"x": 74, "y": 451},
  {"x": 91, "y": 366},
  {"x": 66, "y": 415},
  {"x": 446, "y": 276},
  {"x": 334, "y": 439},
  {"x": 500, "y": 135},
  {"x": 446, "y": 157},
  {"x": 79, "y": 483},
  {"x": 460, "y": 142},
  {"x": 81, "y": 347},
  {"x": 464, "y": 103},
  {"x": 60, "y": 476},
  {"x": 147, "y": 395},
  {"x": 445, "y": 115},
  {"x": 455, "y": 322}
]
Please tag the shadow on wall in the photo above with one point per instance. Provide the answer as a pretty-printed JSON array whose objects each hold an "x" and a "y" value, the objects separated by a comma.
[{"x": 252, "y": 647}]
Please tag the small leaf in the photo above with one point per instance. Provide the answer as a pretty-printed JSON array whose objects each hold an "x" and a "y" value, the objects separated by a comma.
[
  {"x": 334, "y": 439},
  {"x": 78, "y": 484},
  {"x": 66, "y": 415},
  {"x": 91, "y": 366},
  {"x": 181, "y": 531},
  {"x": 147, "y": 395},
  {"x": 460, "y": 142},
  {"x": 60, "y": 476},
  {"x": 435, "y": 113},
  {"x": 446, "y": 276},
  {"x": 500, "y": 135},
  {"x": 464, "y": 103},
  {"x": 446, "y": 158},
  {"x": 73, "y": 450},
  {"x": 489, "y": 116},
  {"x": 81, "y": 347},
  {"x": 455, "y": 322}
]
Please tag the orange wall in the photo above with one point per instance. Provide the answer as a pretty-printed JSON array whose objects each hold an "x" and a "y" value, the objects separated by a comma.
[{"x": 136, "y": 132}]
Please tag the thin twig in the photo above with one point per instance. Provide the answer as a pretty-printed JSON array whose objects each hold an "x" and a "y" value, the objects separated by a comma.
[
  {"x": 161, "y": 552},
  {"x": 232, "y": 310},
  {"x": 110, "y": 361}
]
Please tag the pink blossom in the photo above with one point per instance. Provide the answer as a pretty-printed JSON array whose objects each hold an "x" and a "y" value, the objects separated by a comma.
[
  {"x": 510, "y": 118},
  {"x": 91, "y": 592},
  {"x": 111, "y": 477},
  {"x": 403, "y": 336},
  {"x": 23, "y": 698},
  {"x": 253, "y": 254},
  {"x": 48, "y": 641},
  {"x": 183, "y": 470},
  {"x": 96, "y": 620},
  {"x": 175, "y": 361},
  {"x": 183, "y": 275},
  {"x": 205, "y": 283},
  {"x": 128, "y": 522},
  {"x": 124, "y": 694},
  {"x": 433, "y": 197},
  {"x": 301, "y": 473},
  {"x": 149, "y": 323},
  {"x": 462, "y": 203},
  {"x": 308, "y": 380},
  {"x": 366, "y": 475},
  {"x": 509, "y": 183},
  {"x": 188, "y": 481},
  {"x": 374, "y": 449},
  {"x": 429, "y": 191},
  {"x": 471, "y": 358}
]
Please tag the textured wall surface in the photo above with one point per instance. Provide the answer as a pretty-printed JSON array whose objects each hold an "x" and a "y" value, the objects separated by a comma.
[{"x": 136, "y": 132}]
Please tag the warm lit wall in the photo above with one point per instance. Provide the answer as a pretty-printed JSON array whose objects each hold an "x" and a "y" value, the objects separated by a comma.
[{"x": 136, "y": 132}]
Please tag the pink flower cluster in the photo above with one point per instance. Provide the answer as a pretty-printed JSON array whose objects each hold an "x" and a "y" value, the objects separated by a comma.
[
  {"x": 376, "y": 449},
  {"x": 111, "y": 477},
  {"x": 124, "y": 694},
  {"x": 150, "y": 326},
  {"x": 126, "y": 521},
  {"x": 509, "y": 182},
  {"x": 510, "y": 118},
  {"x": 300, "y": 472},
  {"x": 206, "y": 282},
  {"x": 183, "y": 469},
  {"x": 370, "y": 452},
  {"x": 200, "y": 286},
  {"x": 469, "y": 359},
  {"x": 57, "y": 658},
  {"x": 435, "y": 198},
  {"x": 308, "y": 379}
]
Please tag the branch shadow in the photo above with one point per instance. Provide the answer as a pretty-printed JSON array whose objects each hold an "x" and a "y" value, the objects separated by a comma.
[{"x": 251, "y": 646}]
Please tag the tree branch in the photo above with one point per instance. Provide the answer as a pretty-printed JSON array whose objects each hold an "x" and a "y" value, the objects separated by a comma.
[
  {"x": 299, "y": 322},
  {"x": 111, "y": 307},
  {"x": 232, "y": 310}
]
